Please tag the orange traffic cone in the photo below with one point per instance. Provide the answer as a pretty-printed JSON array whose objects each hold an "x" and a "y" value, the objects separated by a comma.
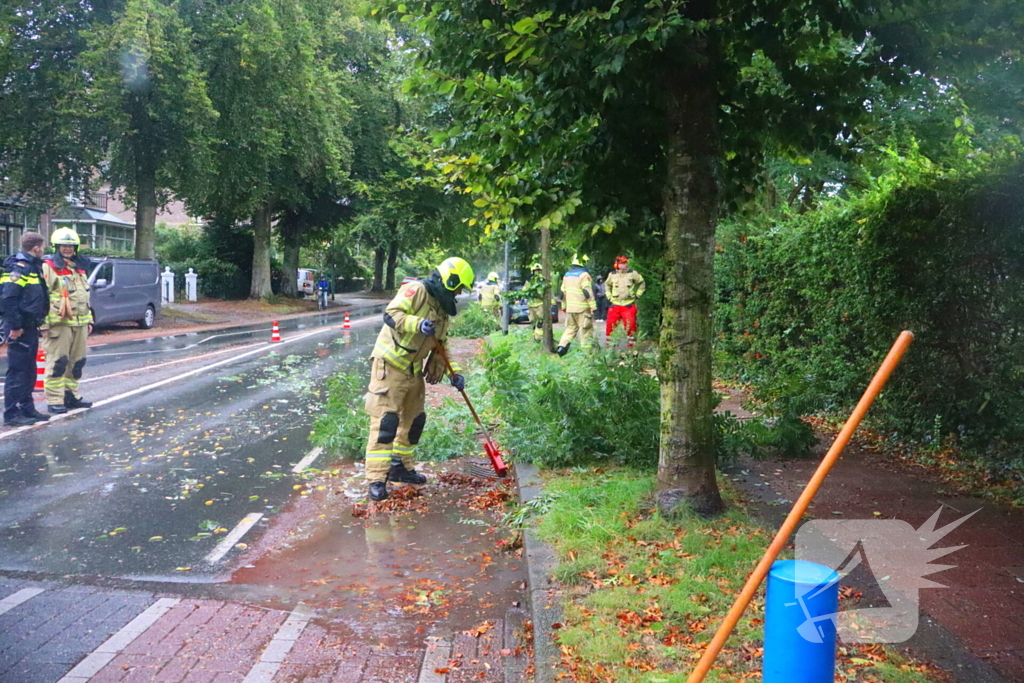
[
  {"x": 347, "y": 324},
  {"x": 40, "y": 369},
  {"x": 275, "y": 333}
]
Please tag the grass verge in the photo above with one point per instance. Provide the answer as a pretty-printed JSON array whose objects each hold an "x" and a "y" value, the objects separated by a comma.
[{"x": 642, "y": 597}]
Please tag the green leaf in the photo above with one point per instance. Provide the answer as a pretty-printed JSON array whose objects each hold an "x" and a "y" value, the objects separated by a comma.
[{"x": 525, "y": 26}]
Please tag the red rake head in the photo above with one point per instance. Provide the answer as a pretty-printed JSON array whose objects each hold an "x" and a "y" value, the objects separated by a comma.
[{"x": 496, "y": 462}]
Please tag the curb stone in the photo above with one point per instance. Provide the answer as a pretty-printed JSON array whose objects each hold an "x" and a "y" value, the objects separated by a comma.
[{"x": 542, "y": 594}]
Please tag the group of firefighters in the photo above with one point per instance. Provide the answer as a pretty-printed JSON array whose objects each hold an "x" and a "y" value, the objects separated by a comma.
[
  {"x": 580, "y": 299},
  {"x": 410, "y": 350},
  {"x": 45, "y": 301}
]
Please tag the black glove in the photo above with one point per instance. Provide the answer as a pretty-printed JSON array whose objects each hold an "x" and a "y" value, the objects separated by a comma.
[
  {"x": 427, "y": 327},
  {"x": 459, "y": 382}
]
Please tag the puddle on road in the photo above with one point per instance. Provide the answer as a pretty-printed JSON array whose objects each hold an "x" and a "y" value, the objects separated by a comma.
[{"x": 438, "y": 563}]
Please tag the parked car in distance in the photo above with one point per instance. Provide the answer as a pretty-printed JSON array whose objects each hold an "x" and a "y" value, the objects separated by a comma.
[
  {"x": 124, "y": 290},
  {"x": 407, "y": 279},
  {"x": 307, "y": 282}
]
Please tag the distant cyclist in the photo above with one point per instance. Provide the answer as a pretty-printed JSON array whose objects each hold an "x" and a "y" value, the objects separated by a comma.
[{"x": 322, "y": 287}]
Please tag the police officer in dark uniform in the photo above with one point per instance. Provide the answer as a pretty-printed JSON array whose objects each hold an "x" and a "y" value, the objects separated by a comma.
[{"x": 24, "y": 301}]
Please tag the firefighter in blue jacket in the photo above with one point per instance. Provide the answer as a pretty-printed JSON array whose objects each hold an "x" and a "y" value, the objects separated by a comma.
[{"x": 25, "y": 303}]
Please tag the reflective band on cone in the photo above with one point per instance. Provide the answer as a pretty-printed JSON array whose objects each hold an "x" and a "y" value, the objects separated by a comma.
[
  {"x": 347, "y": 321},
  {"x": 275, "y": 333},
  {"x": 40, "y": 369}
]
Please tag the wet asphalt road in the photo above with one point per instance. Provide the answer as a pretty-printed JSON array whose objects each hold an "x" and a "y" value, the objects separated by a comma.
[{"x": 142, "y": 487}]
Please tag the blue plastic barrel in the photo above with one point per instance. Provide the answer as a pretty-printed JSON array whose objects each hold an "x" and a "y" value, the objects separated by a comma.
[{"x": 799, "y": 633}]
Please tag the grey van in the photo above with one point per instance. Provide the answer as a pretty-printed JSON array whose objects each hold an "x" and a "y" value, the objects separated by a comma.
[{"x": 123, "y": 289}]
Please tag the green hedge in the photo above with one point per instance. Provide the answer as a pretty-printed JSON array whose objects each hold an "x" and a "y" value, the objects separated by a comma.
[{"x": 816, "y": 301}]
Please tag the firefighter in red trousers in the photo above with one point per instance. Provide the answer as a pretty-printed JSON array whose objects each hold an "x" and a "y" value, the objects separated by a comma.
[{"x": 624, "y": 287}]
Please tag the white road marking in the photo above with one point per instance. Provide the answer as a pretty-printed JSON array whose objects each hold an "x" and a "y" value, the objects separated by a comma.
[
  {"x": 190, "y": 359},
  {"x": 229, "y": 541},
  {"x": 267, "y": 346},
  {"x": 15, "y": 599},
  {"x": 280, "y": 645},
  {"x": 101, "y": 656},
  {"x": 436, "y": 657},
  {"x": 308, "y": 460}
]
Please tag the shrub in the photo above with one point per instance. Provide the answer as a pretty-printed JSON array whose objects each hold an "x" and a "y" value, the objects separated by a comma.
[
  {"x": 823, "y": 295},
  {"x": 583, "y": 407},
  {"x": 473, "y": 323}
]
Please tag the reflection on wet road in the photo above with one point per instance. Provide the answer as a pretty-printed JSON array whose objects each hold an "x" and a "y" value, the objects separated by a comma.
[{"x": 145, "y": 487}]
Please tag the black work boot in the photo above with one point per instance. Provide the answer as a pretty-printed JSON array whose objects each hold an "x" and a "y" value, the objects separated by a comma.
[
  {"x": 73, "y": 403},
  {"x": 20, "y": 421},
  {"x": 562, "y": 350},
  {"x": 56, "y": 410},
  {"x": 401, "y": 475},
  {"x": 35, "y": 414},
  {"x": 378, "y": 490}
]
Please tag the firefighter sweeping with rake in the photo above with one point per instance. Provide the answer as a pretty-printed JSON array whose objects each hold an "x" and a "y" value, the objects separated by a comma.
[{"x": 409, "y": 350}]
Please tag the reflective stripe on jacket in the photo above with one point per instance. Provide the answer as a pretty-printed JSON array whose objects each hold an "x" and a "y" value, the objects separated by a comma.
[
  {"x": 403, "y": 346},
  {"x": 624, "y": 288},
  {"x": 75, "y": 282},
  {"x": 23, "y": 297},
  {"x": 578, "y": 291}
]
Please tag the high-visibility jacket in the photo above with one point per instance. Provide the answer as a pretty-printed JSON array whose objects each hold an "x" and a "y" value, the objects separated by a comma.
[
  {"x": 400, "y": 342},
  {"x": 578, "y": 291},
  {"x": 624, "y": 288},
  {"x": 489, "y": 294},
  {"x": 64, "y": 278}
]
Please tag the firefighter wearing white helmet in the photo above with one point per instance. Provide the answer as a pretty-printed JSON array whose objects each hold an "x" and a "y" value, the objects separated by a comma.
[
  {"x": 579, "y": 304},
  {"x": 415, "y": 323},
  {"x": 68, "y": 322},
  {"x": 490, "y": 295}
]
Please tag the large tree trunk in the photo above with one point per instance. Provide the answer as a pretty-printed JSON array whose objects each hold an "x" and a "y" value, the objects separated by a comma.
[
  {"x": 145, "y": 211},
  {"x": 545, "y": 265},
  {"x": 686, "y": 466},
  {"x": 291, "y": 231},
  {"x": 389, "y": 283},
  {"x": 378, "y": 270},
  {"x": 260, "y": 288}
]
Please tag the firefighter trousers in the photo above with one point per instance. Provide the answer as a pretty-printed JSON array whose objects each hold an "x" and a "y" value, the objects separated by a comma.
[
  {"x": 65, "y": 348},
  {"x": 394, "y": 402},
  {"x": 537, "y": 322},
  {"x": 583, "y": 323}
]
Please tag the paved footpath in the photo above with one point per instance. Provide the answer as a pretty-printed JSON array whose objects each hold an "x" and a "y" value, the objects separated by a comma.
[{"x": 81, "y": 634}]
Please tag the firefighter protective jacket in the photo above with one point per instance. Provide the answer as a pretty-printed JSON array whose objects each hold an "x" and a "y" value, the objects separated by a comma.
[
  {"x": 624, "y": 288},
  {"x": 64, "y": 278},
  {"x": 23, "y": 298},
  {"x": 489, "y": 294},
  {"x": 400, "y": 342},
  {"x": 578, "y": 291}
]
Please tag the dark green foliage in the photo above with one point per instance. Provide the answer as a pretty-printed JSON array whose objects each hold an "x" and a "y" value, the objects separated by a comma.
[
  {"x": 219, "y": 278},
  {"x": 580, "y": 408},
  {"x": 823, "y": 296},
  {"x": 474, "y": 323}
]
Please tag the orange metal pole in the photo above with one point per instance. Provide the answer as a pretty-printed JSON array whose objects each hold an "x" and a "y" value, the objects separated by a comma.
[{"x": 799, "y": 508}]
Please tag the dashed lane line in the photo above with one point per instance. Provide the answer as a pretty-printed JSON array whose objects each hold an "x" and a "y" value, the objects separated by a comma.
[
  {"x": 15, "y": 599},
  {"x": 101, "y": 656},
  {"x": 229, "y": 541},
  {"x": 308, "y": 460},
  {"x": 280, "y": 645}
]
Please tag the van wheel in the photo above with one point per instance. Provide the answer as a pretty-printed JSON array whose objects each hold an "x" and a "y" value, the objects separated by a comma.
[{"x": 147, "y": 322}]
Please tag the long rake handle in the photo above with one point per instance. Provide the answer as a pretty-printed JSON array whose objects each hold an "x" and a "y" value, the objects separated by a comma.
[
  {"x": 754, "y": 582},
  {"x": 479, "y": 422}
]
